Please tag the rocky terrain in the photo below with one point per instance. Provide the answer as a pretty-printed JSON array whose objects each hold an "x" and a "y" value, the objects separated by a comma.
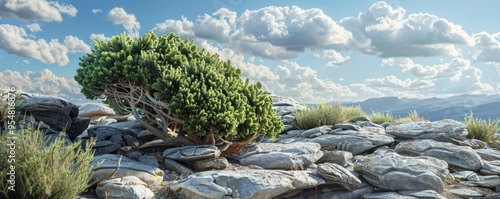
[{"x": 358, "y": 159}]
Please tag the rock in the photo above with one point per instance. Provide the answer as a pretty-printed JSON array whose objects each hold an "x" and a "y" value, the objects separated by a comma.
[
  {"x": 388, "y": 170},
  {"x": 78, "y": 126},
  {"x": 459, "y": 156},
  {"x": 405, "y": 195},
  {"x": 55, "y": 112},
  {"x": 465, "y": 193},
  {"x": 296, "y": 156},
  {"x": 339, "y": 175},
  {"x": 192, "y": 153},
  {"x": 315, "y": 132},
  {"x": 175, "y": 166},
  {"x": 341, "y": 193},
  {"x": 114, "y": 138},
  {"x": 128, "y": 167},
  {"x": 205, "y": 165},
  {"x": 488, "y": 154},
  {"x": 106, "y": 147},
  {"x": 443, "y": 130},
  {"x": 108, "y": 121},
  {"x": 338, "y": 157},
  {"x": 473, "y": 143},
  {"x": 131, "y": 119},
  {"x": 128, "y": 187},
  {"x": 491, "y": 168},
  {"x": 355, "y": 142},
  {"x": 484, "y": 181},
  {"x": 150, "y": 160},
  {"x": 347, "y": 127},
  {"x": 463, "y": 175},
  {"x": 95, "y": 111},
  {"x": 252, "y": 184}
]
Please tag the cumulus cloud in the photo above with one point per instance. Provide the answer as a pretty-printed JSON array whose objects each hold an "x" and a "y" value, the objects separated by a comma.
[
  {"x": 26, "y": 10},
  {"x": 76, "y": 45},
  {"x": 394, "y": 82},
  {"x": 333, "y": 57},
  {"x": 43, "y": 82},
  {"x": 388, "y": 32},
  {"x": 217, "y": 29},
  {"x": 488, "y": 46},
  {"x": 34, "y": 27},
  {"x": 183, "y": 28},
  {"x": 120, "y": 17},
  {"x": 95, "y": 11},
  {"x": 14, "y": 40},
  {"x": 94, "y": 36}
]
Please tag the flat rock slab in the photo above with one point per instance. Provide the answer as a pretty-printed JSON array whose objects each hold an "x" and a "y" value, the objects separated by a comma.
[
  {"x": 489, "y": 154},
  {"x": 355, "y": 142},
  {"x": 459, "y": 156},
  {"x": 340, "y": 193},
  {"x": 295, "y": 156},
  {"x": 338, "y": 175},
  {"x": 405, "y": 195},
  {"x": 192, "y": 153},
  {"x": 90, "y": 110},
  {"x": 491, "y": 168},
  {"x": 55, "y": 112},
  {"x": 443, "y": 130},
  {"x": 252, "y": 184},
  {"x": 128, "y": 187},
  {"x": 108, "y": 163},
  {"x": 388, "y": 170}
]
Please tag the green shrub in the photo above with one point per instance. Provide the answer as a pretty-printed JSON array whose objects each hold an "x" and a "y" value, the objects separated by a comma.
[
  {"x": 325, "y": 115},
  {"x": 379, "y": 118},
  {"x": 57, "y": 171},
  {"x": 185, "y": 87},
  {"x": 481, "y": 129},
  {"x": 403, "y": 120}
]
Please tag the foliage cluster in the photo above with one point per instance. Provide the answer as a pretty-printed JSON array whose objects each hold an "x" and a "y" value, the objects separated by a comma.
[
  {"x": 379, "y": 118},
  {"x": 326, "y": 115},
  {"x": 481, "y": 129},
  {"x": 189, "y": 90},
  {"x": 57, "y": 171}
]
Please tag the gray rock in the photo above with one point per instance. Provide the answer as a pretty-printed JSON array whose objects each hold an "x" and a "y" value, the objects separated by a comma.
[
  {"x": 484, "y": 181},
  {"x": 463, "y": 175},
  {"x": 252, "y": 184},
  {"x": 493, "y": 196},
  {"x": 459, "y": 156},
  {"x": 405, "y": 195},
  {"x": 339, "y": 175},
  {"x": 465, "y": 193},
  {"x": 128, "y": 187},
  {"x": 205, "y": 165},
  {"x": 315, "y": 132},
  {"x": 491, "y": 168},
  {"x": 295, "y": 156},
  {"x": 128, "y": 167},
  {"x": 150, "y": 160},
  {"x": 177, "y": 167},
  {"x": 355, "y": 142},
  {"x": 488, "y": 154},
  {"x": 108, "y": 121},
  {"x": 347, "y": 126},
  {"x": 106, "y": 134},
  {"x": 55, "y": 112},
  {"x": 78, "y": 126},
  {"x": 341, "y": 193},
  {"x": 473, "y": 143},
  {"x": 388, "y": 170},
  {"x": 443, "y": 130},
  {"x": 338, "y": 157},
  {"x": 192, "y": 153},
  {"x": 95, "y": 111}
]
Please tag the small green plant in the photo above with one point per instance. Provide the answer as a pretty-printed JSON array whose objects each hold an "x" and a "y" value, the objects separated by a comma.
[
  {"x": 379, "y": 118},
  {"x": 326, "y": 115},
  {"x": 481, "y": 129},
  {"x": 57, "y": 171}
]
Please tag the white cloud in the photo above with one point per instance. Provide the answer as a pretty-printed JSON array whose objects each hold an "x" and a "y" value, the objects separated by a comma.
[
  {"x": 217, "y": 29},
  {"x": 488, "y": 46},
  {"x": 76, "y": 45},
  {"x": 26, "y": 61},
  {"x": 333, "y": 57},
  {"x": 120, "y": 17},
  {"x": 42, "y": 82},
  {"x": 183, "y": 28},
  {"x": 34, "y": 27},
  {"x": 13, "y": 40},
  {"x": 26, "y": 10},
  {"x": 395, "y": 83},
  {"x": 95, "y": 11},
  {"x": 387, "y": 32},
  {"x": 99, "y": 37}
]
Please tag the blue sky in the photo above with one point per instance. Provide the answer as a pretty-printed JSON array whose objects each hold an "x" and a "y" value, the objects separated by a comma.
[{"x": 312, "y": 51}]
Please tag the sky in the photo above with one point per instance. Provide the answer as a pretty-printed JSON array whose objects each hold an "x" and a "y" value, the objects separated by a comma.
[{"x": 311, "y": 51}]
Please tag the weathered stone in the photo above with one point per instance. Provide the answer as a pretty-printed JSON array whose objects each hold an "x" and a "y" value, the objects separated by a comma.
[
  {"x": 405, "y": 195},
  {"x": 348, "y": 126},
  {"x": 459, "y": 156},
  {"x": 175, "y": 166},
  {"x": 388, "y": 170},
  {"x": 341, "y": 193},
  {"x": 78, "y": 126},
  {"x": 338, "y": 157},
  {"x": 192, "y": 153},
  {"x": 465, "y": 193},
  {"x": 252, "y": 184},
  {"x": 443, "y": 130},
  {"x": 55, "y": 112},
  {"x": 150, "y": 160},
  {"x": 205, "y": 165},
  {"x": 128, "y": 167},
  {"x": 463, "y": 175},
  {"x": 108, "y": 121},
  {"x": 106, "y": 134},
  {"x": 95, "y": 110},
  {"x": 339, "y": 175},
  {"x": 491, "y": 167},
  {"x": 488, "y": 154},
  {"x": 106, "y": 147},
  {"x": 128, "y": 187},
  {"x": 355, "y": 142},
  {"x": 315, "y": 132},
  {"x": 473, "y": 143},
  {"x": 296, "y": 156},
  {"x": 484, "y": 181}
]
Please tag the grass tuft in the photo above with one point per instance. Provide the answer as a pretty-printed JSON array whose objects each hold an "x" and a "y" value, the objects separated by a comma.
[
  {"x": 326, "y": 115},
  {"x": 481, "y": 129}
]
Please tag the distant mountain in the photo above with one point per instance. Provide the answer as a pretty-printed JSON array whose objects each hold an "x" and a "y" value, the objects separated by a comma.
[{"x": 455, "y": 107}]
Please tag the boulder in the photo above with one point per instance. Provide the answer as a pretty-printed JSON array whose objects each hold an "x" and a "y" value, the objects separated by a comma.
[
  {"x": 78, "y": 126},
  {"x": 491, "y": 168},
  {"x": 338, "y": 157},
  {"x": 337, "y": 174},
  {"x": 128, "y": 187},
  {"x": 390, "y": 171},
  {"x": 459, "y": 156},
  {"x": 55, "y": 112},
  {"x": 334, "y": 192},
  {"x": 108, "y": 163},
  {"x": 488, "y": 154},
  {"x": 110, "y": 139},
  {"x": 210, "y": 164},
  {"x": 95, "y": 111},
  {"x": 405, "y": 194},
  {"x": 252, "y": 184},
  {"x": 444, "y": 130},
  {"x": 295, "y": 156},
  {"x": 192, "y": 153}
]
